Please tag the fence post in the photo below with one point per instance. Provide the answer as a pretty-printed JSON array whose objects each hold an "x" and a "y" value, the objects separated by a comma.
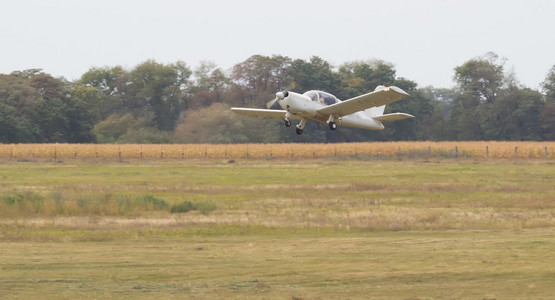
[
  {"x": 456, "y": 151},
  {"x": 545, "y": 152},
  {"x": 487, "y": 152},
  {"x": 141, "y": 152},
  {"x": 429, "y": 151},
  {"x": 182, "y": 152},
  {"x": 119, "y": 154},
  {"x": 516, "y": 152}
]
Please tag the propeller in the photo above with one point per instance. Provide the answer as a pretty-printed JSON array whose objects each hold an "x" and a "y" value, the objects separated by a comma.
[
  {"x": 280, "y": 95},
  {"x": 271, "y": 103}
]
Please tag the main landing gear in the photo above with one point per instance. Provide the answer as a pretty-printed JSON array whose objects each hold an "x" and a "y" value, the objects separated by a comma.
[
  {"x": 287, "y": 123},
  {"x": 331, "y": 123}
]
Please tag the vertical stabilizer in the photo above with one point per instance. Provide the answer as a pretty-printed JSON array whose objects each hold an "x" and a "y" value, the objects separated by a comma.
[{"x": 376, "y": 111}]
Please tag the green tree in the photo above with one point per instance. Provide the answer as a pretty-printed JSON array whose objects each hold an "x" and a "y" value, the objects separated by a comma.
[
  {"x": 218, "y": 124},
  {"x": 548, "y": 111},
  {"x": 363, "y": 77},
  {"x": 83, "y": 111},
  {"x": 256, "y": 80},
  {"x": 548, "y": 86},
  {"x": 210, "y": 86},
  {"x": 53, "y": 119},
  {"x": 127, "y": 128},
  {"x": 19, "y": 110},
  {"x": 315, "y": 74},
  {"x": 159, "y": 88},
  {"x": 481, "y": 77},
  {"x": 478, "y": 82},
  {"x": 111, "y": 82}
]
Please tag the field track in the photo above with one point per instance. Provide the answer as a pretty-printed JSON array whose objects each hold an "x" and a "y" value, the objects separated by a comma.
[{"x": 483, "y": 149}]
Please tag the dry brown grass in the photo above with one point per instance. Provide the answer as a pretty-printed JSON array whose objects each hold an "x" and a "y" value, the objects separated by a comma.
[{"x": 483, "y": 149}]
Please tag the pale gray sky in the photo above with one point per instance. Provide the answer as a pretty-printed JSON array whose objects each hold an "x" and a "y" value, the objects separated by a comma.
[{"x": 424, "y": 39}]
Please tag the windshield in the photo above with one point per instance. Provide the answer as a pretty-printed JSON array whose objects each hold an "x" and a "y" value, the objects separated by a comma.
[{"x": 322, "y": 97}]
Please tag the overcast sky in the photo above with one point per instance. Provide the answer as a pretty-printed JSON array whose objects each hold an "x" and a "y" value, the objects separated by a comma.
[{"x": 424, "y": 39}]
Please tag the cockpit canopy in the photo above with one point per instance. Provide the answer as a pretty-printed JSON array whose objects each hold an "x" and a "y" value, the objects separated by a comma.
[{"x": 322, "y": 97}]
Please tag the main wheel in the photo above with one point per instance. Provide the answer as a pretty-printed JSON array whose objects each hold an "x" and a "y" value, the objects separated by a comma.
[
  {"x": 299, "y": 131},
  {"x": 287, "y": 123},
  {"x": 332, "y": 125}
]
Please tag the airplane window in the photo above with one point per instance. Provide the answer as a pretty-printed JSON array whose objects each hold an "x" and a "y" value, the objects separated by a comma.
[
  {"x": 321, "y": 97},
  {"x": 328, "y": 99},
  {"x": 312, "y": 95}
]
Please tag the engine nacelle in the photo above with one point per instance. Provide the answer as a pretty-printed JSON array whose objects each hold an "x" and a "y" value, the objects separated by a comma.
[{"x": 282, "y": 95}]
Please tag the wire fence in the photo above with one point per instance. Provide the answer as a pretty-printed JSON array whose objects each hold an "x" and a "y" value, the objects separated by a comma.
[{"x": 383, "y": 150}]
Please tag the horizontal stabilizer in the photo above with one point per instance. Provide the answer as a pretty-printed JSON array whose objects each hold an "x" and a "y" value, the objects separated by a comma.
[{"x": 393, "y": 117}]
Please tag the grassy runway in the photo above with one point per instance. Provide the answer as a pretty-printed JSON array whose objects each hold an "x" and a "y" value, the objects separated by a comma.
[{"x": 283, "y": 229}]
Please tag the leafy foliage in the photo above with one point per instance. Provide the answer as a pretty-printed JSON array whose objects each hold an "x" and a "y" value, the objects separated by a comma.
[{"x": 167, "y": 103}]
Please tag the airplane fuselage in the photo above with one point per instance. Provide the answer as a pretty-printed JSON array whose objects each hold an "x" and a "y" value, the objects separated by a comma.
[
  {"x": 365, "y": 111},
  {"x": 304, "y": 107}
]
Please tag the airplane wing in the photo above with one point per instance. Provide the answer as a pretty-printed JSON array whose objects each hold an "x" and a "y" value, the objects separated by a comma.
[
  {"x": 393, "y": 117},
  {"x": 255, "y": 112},
  {"x": 377, "y": 98}
]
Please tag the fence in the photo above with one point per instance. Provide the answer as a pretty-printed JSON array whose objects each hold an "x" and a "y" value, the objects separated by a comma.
[{"x": 486, "y": 150}]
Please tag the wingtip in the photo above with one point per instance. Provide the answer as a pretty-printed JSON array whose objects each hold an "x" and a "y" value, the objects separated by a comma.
[{"x": 399, "y": 90}]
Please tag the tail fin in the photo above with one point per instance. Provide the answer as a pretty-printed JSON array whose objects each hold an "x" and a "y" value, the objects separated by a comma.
[{"x": 376, "y": 111}]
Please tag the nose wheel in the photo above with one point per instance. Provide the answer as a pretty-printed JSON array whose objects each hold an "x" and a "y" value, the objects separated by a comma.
[
  {"x": 287, "y": 123},
  {"x": 332, "y": 125}
]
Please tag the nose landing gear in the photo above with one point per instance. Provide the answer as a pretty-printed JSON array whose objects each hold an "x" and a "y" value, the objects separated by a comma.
[{"x": 300, "y": 126}]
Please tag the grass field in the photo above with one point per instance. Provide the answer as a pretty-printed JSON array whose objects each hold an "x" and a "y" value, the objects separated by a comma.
[{"x": 329, "y": 228}]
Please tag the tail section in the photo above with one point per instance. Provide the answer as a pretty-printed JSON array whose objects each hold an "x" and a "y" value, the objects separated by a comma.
[
  {"x": 376, "y": 111},
  {"x": 377, "y": 114}
]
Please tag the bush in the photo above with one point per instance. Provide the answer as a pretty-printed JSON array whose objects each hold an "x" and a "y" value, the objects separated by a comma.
[
  {"x": 153, "y": 202},
  {"x": 184, "y": 206},
  {"x": 205, "y": 207}
]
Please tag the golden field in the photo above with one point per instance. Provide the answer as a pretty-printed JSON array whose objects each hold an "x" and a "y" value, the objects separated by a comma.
[{"x": 482, "y": 149}]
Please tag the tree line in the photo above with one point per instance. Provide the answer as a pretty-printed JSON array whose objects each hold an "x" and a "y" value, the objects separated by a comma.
[{"x": 172, "y": 103}]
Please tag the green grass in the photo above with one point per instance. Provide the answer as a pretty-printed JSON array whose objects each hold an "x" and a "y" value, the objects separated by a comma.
[{"x": 278, "y": 229}]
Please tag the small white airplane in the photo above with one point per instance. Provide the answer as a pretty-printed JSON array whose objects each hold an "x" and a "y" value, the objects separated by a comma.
[{"x": 364, "y": 111}]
